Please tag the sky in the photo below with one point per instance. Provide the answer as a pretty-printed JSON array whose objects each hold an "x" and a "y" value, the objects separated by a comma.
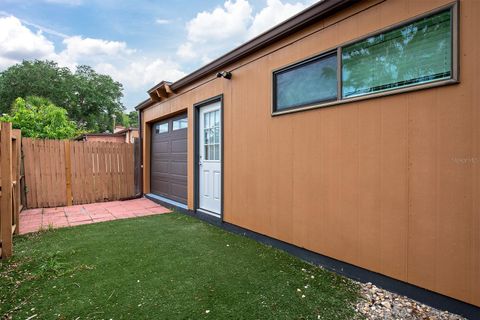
[{"x": 138, "y": 43}]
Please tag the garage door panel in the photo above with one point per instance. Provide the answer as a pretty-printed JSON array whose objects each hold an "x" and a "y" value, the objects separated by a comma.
[
  {"x": 160, "y": 166},
  {"x": 169, "y": 162},
  {"x": 161, "y": 187},
  {"x": 178, "y": 168},
  {"x": 178, "y": 190},
  {"x": 179, "y": 146},
  {"x": 161, "y": 147}
]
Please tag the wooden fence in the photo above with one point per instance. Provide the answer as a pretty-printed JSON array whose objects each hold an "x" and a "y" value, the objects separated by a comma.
[
  {"x": 63, "y": 172},
  {"x": 10, "y": 183}
]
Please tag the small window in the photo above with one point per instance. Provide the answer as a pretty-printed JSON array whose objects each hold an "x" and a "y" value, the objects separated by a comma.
[
  {"x": 161, "y": 128},
  {"x": 416, "y": 53},
  {"x": 306, "y": 83},
  {"x": 180, "y": 124}
]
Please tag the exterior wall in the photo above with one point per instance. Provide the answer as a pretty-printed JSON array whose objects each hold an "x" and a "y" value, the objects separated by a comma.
[{"x": 390, "y": 184}]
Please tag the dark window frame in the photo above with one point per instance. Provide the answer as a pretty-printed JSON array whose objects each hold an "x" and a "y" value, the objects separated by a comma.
[{"x": 454, "y": 78}]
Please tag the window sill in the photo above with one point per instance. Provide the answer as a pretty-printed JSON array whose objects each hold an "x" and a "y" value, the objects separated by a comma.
[{"x": 369, "y": 96}]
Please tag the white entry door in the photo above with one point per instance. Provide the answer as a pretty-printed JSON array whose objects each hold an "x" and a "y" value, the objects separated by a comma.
[{"x": 210, "y": 180}]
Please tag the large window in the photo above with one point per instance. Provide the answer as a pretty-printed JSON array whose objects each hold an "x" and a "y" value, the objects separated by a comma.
[
  {"x": 416, "y": 53},
  {"x": 412, "y": 54},
  {"x": 309, "y": 82}
]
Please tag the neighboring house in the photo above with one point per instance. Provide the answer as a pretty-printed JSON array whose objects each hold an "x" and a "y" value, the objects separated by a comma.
[
  {"x": 351, "y": 130},
  {"x": 120, "y": 135}
]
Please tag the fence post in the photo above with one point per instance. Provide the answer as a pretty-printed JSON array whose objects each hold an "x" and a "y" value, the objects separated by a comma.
[
  {"x": 68, "y": 172},
  {"x": 6, "y": 197},
  {"x": 16, "y": 163}
]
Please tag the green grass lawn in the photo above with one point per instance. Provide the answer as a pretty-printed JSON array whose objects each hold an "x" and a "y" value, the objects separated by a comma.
[{"x": 164, "y": 267}]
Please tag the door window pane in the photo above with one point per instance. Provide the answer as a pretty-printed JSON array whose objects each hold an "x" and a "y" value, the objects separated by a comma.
[
  {"x": 206, "y": 152},
  {"x": 417, "y": 53},
  {"x": 306, "y": 83},
  {"x": 212, "y": 135}
]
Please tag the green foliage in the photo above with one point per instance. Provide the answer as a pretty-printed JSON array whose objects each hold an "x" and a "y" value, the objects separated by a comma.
[
  {"x": 133, "y": 116},
  {"x": 89, "y": 98},
  {"x": 39, "y": 118}
]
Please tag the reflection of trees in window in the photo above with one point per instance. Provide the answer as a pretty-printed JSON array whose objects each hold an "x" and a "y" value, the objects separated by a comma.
[
  {"x": 419, "y": 52},
  {"x": 312, "y": 82}
]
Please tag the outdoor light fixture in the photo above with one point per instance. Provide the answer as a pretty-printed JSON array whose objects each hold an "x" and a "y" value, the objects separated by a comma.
[{"x": 224, "y": 74}]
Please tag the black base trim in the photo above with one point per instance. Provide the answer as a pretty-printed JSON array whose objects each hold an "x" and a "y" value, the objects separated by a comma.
[{"x": 433, "y": 299}]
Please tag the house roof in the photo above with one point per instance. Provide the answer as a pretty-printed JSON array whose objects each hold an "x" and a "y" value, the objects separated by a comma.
[
  {"x": 314, "y": 13},
  {"x": 125, "y": 130}
]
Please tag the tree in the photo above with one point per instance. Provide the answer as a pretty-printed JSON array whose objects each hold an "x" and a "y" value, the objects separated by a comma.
[
  {"x": 36, "y": 78},
  {"x": 96, "y": 98},
  {"x": 133, "y": 116},
  {"x": 89, "y": 98},
  {"x": 39, "y": 118}
]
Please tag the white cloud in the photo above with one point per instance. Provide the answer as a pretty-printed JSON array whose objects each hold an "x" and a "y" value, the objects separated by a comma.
[
  {"x": 19, "y": 43},
  {"x": 220, "y": 24},
  {"x": 78, "y": 46},
  {"x": 88, "y": 50},
  {"x": 142, "y": 72},
  {"x": 185, "y": 51},
  {"x": 275, "y": 12},
  {"x": 212, "y": 33},
  {"x": 162, "y": 21},
  {"x": 216, "y": 31}
]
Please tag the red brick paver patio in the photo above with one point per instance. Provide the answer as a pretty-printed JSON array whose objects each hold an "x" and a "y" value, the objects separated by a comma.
[{"x": 32, "y": 220}]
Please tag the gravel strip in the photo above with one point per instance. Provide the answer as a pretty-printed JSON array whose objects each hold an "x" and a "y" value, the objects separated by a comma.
[{"x": 379, "y": 304}]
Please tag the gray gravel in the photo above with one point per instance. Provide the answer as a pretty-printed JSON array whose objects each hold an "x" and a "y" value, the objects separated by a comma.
[{"x": 379, "y": 304}]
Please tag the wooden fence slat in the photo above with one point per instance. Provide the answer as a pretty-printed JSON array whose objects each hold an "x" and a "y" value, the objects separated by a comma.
[
  {"x": 89, "y": 164},
  {"x": 16, "y": 163},
  {"x": 110, "y": 170},
  {"x": 68, "y": 172},
  {"x": 123, "y": 181},
  {"x": 27, "y": 162},
  {"x": 61, "y": 172},
  {"x": 52, "y": 173},
  {"x": 98, "y": 187},
  {"x": 38, "y": 172}
]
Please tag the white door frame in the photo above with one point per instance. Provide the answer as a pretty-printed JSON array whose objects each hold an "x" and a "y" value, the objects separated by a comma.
[{"x": 197, "y": 137}]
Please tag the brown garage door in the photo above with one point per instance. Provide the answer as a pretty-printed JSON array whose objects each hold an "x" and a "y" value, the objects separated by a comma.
[{"x": 169, "y": 159}]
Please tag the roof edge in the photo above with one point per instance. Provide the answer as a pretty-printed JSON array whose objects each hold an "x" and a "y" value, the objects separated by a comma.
[{"x": 144, "y": 104}]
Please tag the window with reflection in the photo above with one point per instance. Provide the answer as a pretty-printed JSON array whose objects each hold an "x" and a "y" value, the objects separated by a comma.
[
  {"x": 417, "y": 53},
  {"x": 306, "y": 83}
]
